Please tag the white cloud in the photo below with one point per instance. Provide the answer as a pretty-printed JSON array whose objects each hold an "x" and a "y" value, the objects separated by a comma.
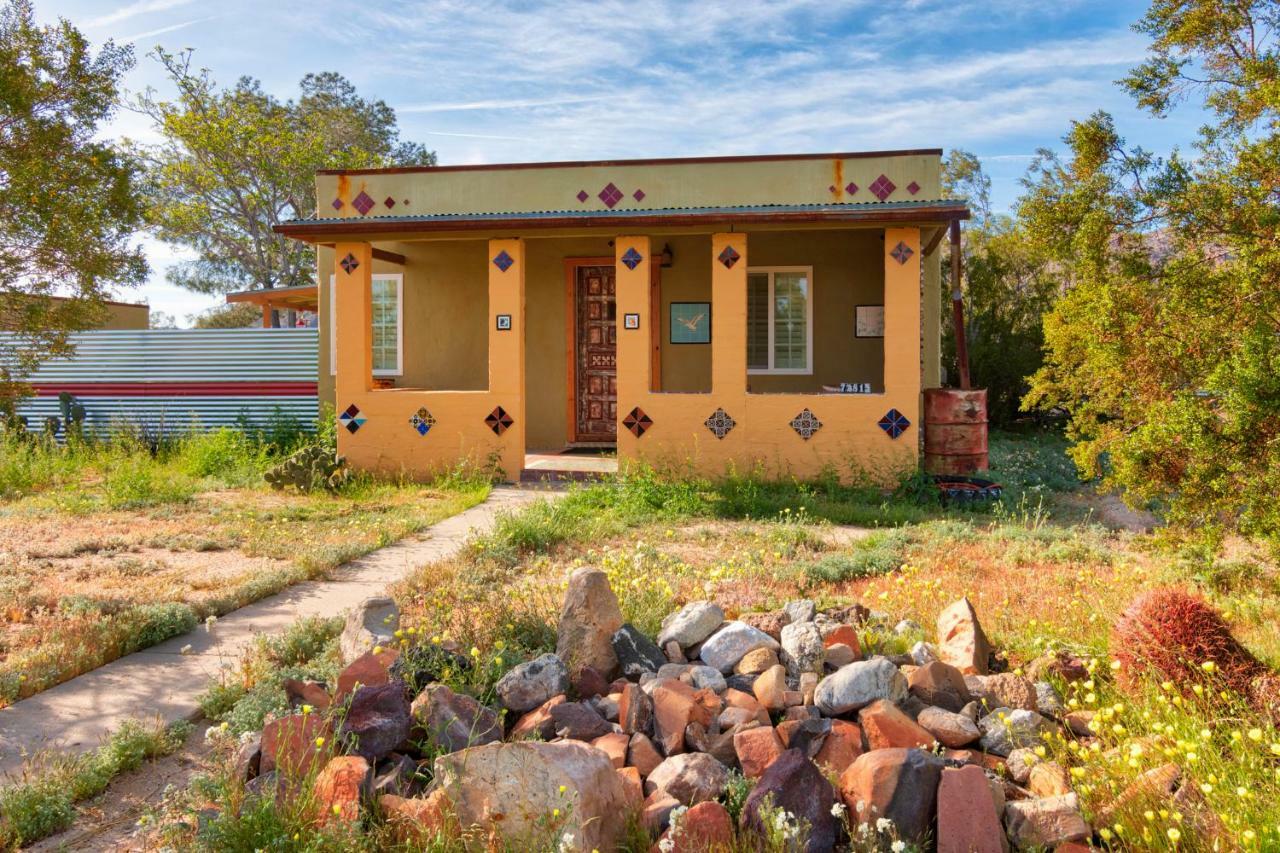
[
  {"x": 171, "y": 28},
  {"x": 133, "y": 10}
]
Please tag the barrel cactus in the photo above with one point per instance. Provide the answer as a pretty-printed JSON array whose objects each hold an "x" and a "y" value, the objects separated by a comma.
[{"x": 311, "y": 468}]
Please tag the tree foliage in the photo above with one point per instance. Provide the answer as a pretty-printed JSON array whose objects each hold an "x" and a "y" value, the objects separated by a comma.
[
  {"x": 1165, "y": 346},
  {"x": 68, "y": 208},
  {"x": 235, "y": 162}
]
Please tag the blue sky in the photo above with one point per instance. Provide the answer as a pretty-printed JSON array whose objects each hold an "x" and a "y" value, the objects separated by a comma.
[{"x": 517, "y": 80}]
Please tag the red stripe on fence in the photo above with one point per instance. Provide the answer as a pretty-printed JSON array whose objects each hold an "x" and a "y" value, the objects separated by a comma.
[{"x": 177, "y": 389}]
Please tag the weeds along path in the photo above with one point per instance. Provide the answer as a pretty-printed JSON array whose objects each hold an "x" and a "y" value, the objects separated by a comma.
[{"x": 165, "y": 680}]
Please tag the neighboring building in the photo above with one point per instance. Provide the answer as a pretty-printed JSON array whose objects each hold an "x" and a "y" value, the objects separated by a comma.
[
  {"x": 778, "y": 313},
  {"x": 120, "y": 315}
]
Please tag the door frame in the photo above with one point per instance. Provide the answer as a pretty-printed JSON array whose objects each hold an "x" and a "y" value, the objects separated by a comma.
[{"x": 571, "y": 267}]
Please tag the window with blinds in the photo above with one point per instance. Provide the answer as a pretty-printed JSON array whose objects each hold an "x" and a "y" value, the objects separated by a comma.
[
  {"x": 386, "y": 315},
  {"x": 780, "y": 320}
]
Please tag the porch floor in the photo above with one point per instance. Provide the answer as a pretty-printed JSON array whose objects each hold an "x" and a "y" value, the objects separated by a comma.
[{"x": 568, "y": 466}]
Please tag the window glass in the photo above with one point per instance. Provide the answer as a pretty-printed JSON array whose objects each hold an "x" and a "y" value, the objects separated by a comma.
[
  {"x": 385, "y": 321},
  {"x": 758, "y": 321},
  {"x": 790, "y": 321}
]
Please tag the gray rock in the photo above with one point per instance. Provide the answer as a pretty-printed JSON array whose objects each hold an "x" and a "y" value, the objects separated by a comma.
[
  {"x": 951, "y": 729},
  {"x": 857, "y": 685},
  {"x": 1048, "y": 702},
  {"x": 1006, "y": 729},
  {"x": 1043, "y": 823},
  {"x": 800, "y": 610},
  {"x": 923, "y": 653},
  {"x": 690, "y": 777},
  {"x": 802, "y": 649},
  {"x": 672, "y": 670},
  {"x": 372, "y": 622},
  {"x": 636, "y": 653},
  {"x": 906, "y": 626},
  {"x": 691, "y": 624},
  {"x": 452, "y": 721},
  {"x": 707, "y": 676},
  {"x": 589, "y": 619},
  {"x": 530, "y": 684},
  {"x": 726, "y": 647},
  {"x": 972, "y": 710},
  {"x": 377, "y": 721},
  {"x": 1019, "y": 762}
]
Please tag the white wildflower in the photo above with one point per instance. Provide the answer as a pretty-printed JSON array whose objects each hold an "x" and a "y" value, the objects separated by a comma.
[
  {"x": 838, "y": 810},
  {"x": 186, "y": 650},
  {"x": 883, "y": 824},
  {"x": 566, "y": 842},
  {"x": 860, "y": 806},
  {"x": 898, "y": 846},
  {"x": 667, "y": 844}
]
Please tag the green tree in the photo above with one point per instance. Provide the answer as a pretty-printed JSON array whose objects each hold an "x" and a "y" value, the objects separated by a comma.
[
  {"x": 68, "y": 209},
  {"x": 1005, "y": 291},
  {"x": 238, "y": 315},
  {"x": 235, "y": 162},
  {"x": 1165, "y": 347}
]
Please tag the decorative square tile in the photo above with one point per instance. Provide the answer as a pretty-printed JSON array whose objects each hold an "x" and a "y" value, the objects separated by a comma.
[
  {"x": 389, "y": 202},
  {"x": 351, "y": 419},
  {"x": 363, "y": 203},
  {"x": 583, "y": 196},
  {"x": 638, "y": 195},
  {"x": 729, "y": 257},
  {"x": 498, "y": 420},
  {"x": 851, "y": 188},
  {"x": 349, "y": 263},
  {"x": 637, "y": 421},
  {"x": 503, "y": 261},
  {"x": 422, "y": 421},
  {"x": 632, "y": 258},
  {"x": 913, "y": 188},
  {"x": 832, "y": 189},
  {"x": 504, "y": 323},
  {"x": 901, "y": 252},
  {"x": 630, "y": 321},
  {"x": 894, "y": 423},
  {"x": 720, "y": 423},
  {"x": 610, "y": 195},
  {"x": 882, "y": 187},
  {"x": 337, "y": 204},
  {"x": 806, "y": 424}
]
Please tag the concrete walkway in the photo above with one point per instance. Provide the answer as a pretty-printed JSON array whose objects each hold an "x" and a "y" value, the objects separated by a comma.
[{"x": 77, "y": 714}]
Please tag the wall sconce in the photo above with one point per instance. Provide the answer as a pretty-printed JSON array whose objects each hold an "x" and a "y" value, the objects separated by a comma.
[{"x": 668, "y": 258}]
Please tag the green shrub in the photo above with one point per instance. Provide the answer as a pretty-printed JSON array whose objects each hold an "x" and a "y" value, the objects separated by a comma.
[
  {"x": 157, "y": 623},
  {"x": 30, "y": 812},
  {"x": 226, "y": 453},
  {"x": 880, "y": 552},
  {"x": 138, "y": 480}
]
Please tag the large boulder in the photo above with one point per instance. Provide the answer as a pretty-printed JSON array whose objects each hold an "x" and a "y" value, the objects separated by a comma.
[
  {"x": 579, "y": 721},
  {"x": 636, "y": 653},
  {"x": 961, "y": 641},
  {"x": 371, "y": 623},
  {"x": 635, "y": 710},
  {"x": 691, "y": 777},
  {"x": 339, "y": 789},
  {"x": 899, "y": 785},
  {"x": 952, "y": 730},
  {"x": 452, "y": 721},
  {"x": 859, "y": 684},
  {"x": 1004, "y": 690},
  {"x": 691, "y": 624},
  {"x": 704, "y": 827},
  {"x": 967, "y": 818},
  {"x": 296, "y": 745},
  {"x": 886, "y": 726},
  {"x": 675, "y": 706},
  {"x": 589, "y": 619},
  {"x": 802, "y": 648},
  {"x": 795, "y": 785},
  {"x": 377, "y": 721},
  {"x": 512, "y": 789},
  {"x": 532, "y": 683},
  {"x": 730, "y": 644},
  {"x": 937, "y": 683},
  {"x": 1045, "y": 822}
]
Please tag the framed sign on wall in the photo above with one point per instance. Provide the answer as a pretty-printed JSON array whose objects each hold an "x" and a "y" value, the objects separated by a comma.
[
  {"x": 690, "y": 322},
  {"x": 869, "y": 321}
]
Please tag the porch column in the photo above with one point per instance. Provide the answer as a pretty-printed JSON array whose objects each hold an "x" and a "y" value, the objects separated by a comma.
[
  {"x": 902, "y": 318},
  {"x": 633, "y": 268},
  {"x": 728, "y": 319},
  {"x": 506, "y": 261},
  {"x": 353, "y": 328}
]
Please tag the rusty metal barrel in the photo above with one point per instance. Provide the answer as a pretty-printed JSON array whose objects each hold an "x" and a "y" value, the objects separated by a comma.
[{"x": 955, "y": 430}]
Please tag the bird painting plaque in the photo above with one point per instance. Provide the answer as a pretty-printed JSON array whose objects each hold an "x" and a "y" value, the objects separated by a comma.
[{"x": 690, "y": 322}]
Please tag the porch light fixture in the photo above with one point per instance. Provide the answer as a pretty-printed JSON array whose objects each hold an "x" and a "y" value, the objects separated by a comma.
[{"x": 667, "y": 256}]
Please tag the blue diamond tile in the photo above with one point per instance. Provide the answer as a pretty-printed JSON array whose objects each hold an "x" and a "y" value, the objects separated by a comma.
[
  {"x": 632, "y": 258},
  {"x": 894, "y": 423},
  {"x": 503, "y": 261}
]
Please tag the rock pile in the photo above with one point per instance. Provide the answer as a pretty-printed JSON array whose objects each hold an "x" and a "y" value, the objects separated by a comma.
[{"x": 616, "y": 724}]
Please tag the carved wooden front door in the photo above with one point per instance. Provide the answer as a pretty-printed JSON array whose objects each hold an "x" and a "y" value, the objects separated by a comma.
[{"x": 596, "y": 373}]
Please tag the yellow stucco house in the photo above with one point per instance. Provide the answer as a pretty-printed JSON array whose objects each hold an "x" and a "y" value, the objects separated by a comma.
[{"x": 774, "y": 313}]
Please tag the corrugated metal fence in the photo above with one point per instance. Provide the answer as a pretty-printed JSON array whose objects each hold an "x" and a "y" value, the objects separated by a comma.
[{"x": 177, "y": 380}]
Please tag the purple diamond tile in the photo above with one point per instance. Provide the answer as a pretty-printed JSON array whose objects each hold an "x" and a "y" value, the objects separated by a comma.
[
  {"x": 503, "y": 261},
  {"x": 832, "y": 189},
  {"x": 729, "y": 257},
  {"x": 610, "y": 195},
  {"x": 349, "y": 263},
  {"x": 582, "y": 195},
  {"x": 389, "y": 202},
  {"x": 337, "y": 204},
  {"x": 882, "y": 187},
  {"x": 901, "y": 252},
  {"x": 913, "y": 188},
  {"x": 638, "y": 195},
  {"x": 851, "y": 188},
  {"x": 363, "y": 203},
  {"x": 894, "y": 423},
  {"x": 632, "y": 258}
]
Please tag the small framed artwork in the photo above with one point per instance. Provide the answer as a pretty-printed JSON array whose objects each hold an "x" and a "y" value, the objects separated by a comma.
[
  {"x": 630, "y": 321},
  {"x": 690, "y": 322},
  {"x": 869, "y": 321},
  {"x": 504, "y": 322}
]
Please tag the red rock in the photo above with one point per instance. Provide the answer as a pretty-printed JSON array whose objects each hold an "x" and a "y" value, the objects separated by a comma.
[
  {"x": 900, "y": 785},
  {"x": 841, "y": 747},
  {"x": 1049, "y": 779},
  {"x": 339, "y": 788},
  {"x": 785, "y": 730},
  {"x": 961, "y": 640},
  {"x": 967, "y": 818},
  {"x": 770, "y": 688},
  {"x": 795, "y": 786},
  {"x": 635, "y": 710},
  {"x": 371, "y": 669},
  {"x": 937, "y": 683},
  {"x": 675, "y": 706},
  {"x": 613, "y": 745},
  {"x": 538, "y": 723},
  {"x": 704, "y": 827},
  {"x": 588, "y": 682},
  {"x": 632, "y": 786},
  {"x": 771, "y": 623},
  {"x": 737, "y": 699},
  {"x": 994, "y": 763},
  {"x": 756, "y": 748},
  {"x": 656, "y": 811},
  {"x": 642, "y": 754},
  {"x": 289, "y": 744},
  {"x": 589, "y": 617},
  {"x": 301, "y": 693},
  {"x": 416, "y": 821},
  {"x": 791, "y": 698},
  {"x": 886, "y": 727},
  {"x": 844, "y": 635}
]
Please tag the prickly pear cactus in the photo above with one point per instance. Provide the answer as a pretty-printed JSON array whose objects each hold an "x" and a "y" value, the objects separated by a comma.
[{"x": 311, "y": 468}]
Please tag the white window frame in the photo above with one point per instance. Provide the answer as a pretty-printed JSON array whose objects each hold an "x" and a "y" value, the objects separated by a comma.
[
  {"x": 398, "y": 278},
  {"x": 808, "y": 325}
]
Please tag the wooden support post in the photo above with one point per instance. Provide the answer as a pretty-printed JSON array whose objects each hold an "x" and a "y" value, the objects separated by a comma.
[{"x": 957, "y": 307}]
